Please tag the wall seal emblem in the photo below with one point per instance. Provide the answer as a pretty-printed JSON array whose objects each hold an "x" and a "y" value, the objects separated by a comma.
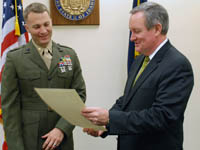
[{"x": 75, "y": 9}]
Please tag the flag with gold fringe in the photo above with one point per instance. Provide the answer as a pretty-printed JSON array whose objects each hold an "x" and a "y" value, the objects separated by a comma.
[
  {"x": 132, "y": 54},
  {"x": 13, "y": 35}
]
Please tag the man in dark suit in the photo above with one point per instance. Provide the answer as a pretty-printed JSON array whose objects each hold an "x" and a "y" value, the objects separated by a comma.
[
  {"x": 150, "y": 114},
  {"x": 29, "y": 123}
]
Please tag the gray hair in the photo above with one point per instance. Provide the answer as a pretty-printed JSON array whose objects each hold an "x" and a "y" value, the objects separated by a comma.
[
  {"x": 154, "y": 14},
  {"x": 36, "y": 8}
]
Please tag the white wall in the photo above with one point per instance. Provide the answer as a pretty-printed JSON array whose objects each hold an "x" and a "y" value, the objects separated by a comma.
[{"x": 102, "y": 51}]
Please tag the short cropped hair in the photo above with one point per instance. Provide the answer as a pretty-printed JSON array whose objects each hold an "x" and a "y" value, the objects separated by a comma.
[{"x": 36, "y": 8}]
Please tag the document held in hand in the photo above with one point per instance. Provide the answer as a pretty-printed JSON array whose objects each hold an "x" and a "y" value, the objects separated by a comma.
[{"x": 68, "y": 104}]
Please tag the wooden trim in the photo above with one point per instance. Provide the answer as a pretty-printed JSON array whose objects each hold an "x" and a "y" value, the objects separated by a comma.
[{"x": 58, "y": 19}]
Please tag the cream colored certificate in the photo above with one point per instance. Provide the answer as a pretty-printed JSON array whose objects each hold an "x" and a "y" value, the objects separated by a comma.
[{"x": 68, "y": 104}]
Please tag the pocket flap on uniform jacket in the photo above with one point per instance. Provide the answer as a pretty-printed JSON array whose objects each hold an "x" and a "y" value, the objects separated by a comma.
[
  {"x": 30, "y": 75},
  {"x": 64, "y": 74}
]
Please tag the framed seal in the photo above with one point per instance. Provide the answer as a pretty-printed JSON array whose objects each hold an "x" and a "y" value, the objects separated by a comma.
[{"x": 75, "y": 12}]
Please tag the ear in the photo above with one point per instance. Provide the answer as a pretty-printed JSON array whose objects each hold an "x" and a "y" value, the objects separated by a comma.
[
  {"x": 158, "y": 29},
  {"x": 26, "y": 27}
]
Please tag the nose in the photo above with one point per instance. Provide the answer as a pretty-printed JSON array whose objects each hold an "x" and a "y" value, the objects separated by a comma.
[
  {"x": 43, "y": 30},
  {"x": 133, "y": 37}
]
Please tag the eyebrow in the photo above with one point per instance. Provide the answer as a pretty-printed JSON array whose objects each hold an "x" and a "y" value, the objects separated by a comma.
[{"x": 47, "y": 22}]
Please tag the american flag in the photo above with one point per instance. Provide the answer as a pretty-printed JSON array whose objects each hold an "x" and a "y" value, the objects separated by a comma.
[{"x": 13, "y": 33}]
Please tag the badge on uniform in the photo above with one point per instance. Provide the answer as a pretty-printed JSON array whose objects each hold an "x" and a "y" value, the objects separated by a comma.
[{"x": 65, "y": 62}]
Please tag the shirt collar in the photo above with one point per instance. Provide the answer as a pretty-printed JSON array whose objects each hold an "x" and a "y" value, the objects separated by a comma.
[
  {"x": 41, "y": 49},
  {"x": 157, "y": 49}
]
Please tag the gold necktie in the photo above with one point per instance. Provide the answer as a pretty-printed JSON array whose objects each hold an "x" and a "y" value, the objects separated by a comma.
[
  {"x": 145, "y": 63},
  {"x": 47, "y": 56}
]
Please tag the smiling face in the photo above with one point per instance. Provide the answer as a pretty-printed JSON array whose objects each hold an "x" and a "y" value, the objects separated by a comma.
[
  {"x": 39, "y": 25},
  {"x": 145, "y": 40}
]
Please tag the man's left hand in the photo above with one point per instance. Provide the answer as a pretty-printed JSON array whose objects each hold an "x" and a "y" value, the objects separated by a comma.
[{"x": 53, "y": 139}]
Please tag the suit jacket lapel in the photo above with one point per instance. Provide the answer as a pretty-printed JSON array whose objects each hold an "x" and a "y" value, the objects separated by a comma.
[
  {"x": 56, "y": 57},
  {"x": 148, "y": 70},
  {"x": 133, "y": 73},
  {"x": 35, "y": 56}
]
